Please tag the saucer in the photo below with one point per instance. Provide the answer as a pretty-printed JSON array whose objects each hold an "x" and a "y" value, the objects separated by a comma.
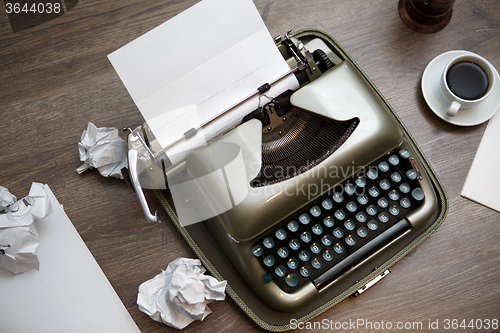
[{"x": 431, "y": 89}]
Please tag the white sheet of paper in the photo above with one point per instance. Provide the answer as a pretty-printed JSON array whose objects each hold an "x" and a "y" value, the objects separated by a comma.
[
  {"x": 211, "y": 56},
  {"x": 69, "y": 292},
  {"x": 481, "y": 184}
]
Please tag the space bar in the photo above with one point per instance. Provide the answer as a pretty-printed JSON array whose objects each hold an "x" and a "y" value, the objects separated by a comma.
[{"x": 362, "y": 253}]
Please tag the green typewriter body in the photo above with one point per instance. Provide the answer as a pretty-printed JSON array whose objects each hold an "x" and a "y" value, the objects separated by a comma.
[{"x": 334, "y": 189}]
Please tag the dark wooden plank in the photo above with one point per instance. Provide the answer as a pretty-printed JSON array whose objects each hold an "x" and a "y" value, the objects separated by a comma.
[{"x": 56, "y": 77}]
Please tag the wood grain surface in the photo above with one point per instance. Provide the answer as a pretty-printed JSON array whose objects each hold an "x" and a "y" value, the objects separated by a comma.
[{"x": 56, "y": 77}]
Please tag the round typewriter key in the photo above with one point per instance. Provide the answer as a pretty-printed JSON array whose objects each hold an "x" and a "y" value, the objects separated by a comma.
[
  {"x": 383, "y": 203},
  {"x": 340, "y": 214},
  {"x": 292, "y": 280},
  {"x": 316, "y": 263},
  {"x": 385, "y": 184},
  {"x": 396, "y": 177},
  {"x": 326, "y": 240},
  {"x": 349, "y": 224},
  {"x": 349, "y": 189},
  {"x": 383, "y": 166},
  {"x": 372, "y": 225},
  {"x": 338, "y": 197},
  {"x": 371, "y": 210},
  {"x": 411, "y": 174},
  {"x": 280, "y": 271},
  {"x": 394, "y": 160},
  {"x": 404, "y": 153},
  {"x": 339, "y": 248},
  {"x": 374, "y": 191},
  {"x": 362, "y": 232},
  {"x": 269, "y": 261},
  {"x": 294, "y": 244},
  {"x": 372, "y": 173},
  {"x": 361, "y": 217},
  {"x": 305, "y": 236},
  {"x": 304, "y": 255},
  {"x": 383, "y": 217},
  {"x": 257, "y": 250},
  {"x": 327, "y": 255},
  {"x": 418, "y": 194},
  {"x": 394, "y": 210},
  {"x": 268, "y": 242},
  {"x": 329, "y": 221},
  {"x": 315, "y": 211},
  {"x": 363, "y": 199},
  {"x": 350, "y": 240},
  {"x": 315, "y": 248},
  {"x": 351, "y": 206},
  {"x": 317, "y": 229},
  {"x": 338, "y": 232},
  {"x": 305, "y": 271},
  {"x": 280, "y": 234},
  {"x": 304, "y": 218},
  {"x": 404, "y": 188},
  {"x": 327, "y": 204},
  {"x": 292, "y": 263},
  {"x": 283, "y": 252},
  {"x": 293, "y": 226},
  {"x": 405, "y": 203},
  {"x": 361, "y": 181},
  {"x": 394, "y": 195}
]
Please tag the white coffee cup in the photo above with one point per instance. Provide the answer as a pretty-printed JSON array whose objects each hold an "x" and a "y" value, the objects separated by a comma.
[{"x": 461, "y": 102}]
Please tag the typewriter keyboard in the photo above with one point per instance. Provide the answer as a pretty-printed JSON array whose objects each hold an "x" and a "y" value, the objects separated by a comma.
[{"x": 336, "y": 230}]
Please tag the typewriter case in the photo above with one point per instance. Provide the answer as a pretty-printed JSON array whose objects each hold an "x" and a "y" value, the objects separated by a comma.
[{"x": 288, "y": 150}]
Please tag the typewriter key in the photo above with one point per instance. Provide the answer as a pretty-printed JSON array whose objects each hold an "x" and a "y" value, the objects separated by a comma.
[
  {"x": 305, "y": 271},
  {"x": 404, "y": 188},
  {"x": 304, "y": 219},
  {"x": 280, "y": 271},
  {"x": 292, "y": 280},
  {"x": 257, "y": 250},
  {"x": 294, "y": 244},
  {"x": 372, "y": 225},
  {"x": 338, "y": 232},
  {"x": 280, "y": 234},
  {"x": 327, "y": 255},
  {"x": 292, "y": 263},
  {"x": 351, "y": 206},
  {"x": 404, "y": 153},
  {"x": 418, "y": 194},
  {"x": 394, "y": 160},
  {"x": 268, "y": 242},
  {"x": 350, "y": 240},
  {"x": 317, "y": 229},
  {"x": 316, "y": 263},
  {"x": 383, "y": 166},
  {"x": 329, "y": 221},
  {"x": 304, "y": 255}
]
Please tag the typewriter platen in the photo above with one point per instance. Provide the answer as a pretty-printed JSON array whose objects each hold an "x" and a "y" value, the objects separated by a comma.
[{"x": 335, "y": 187}]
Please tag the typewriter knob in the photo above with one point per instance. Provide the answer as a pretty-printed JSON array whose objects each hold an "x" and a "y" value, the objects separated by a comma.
[{"x": 322, "y": 60}]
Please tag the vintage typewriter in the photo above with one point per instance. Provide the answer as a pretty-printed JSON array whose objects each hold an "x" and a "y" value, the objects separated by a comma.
[{"x": 337, "y": 190}]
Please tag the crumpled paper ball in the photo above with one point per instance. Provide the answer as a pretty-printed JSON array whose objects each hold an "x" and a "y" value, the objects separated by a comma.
[
  {"x": 18, "y": 235},
  {"x": 103, "y": 149},
  {"x": 180, "y": 294},
  {"x": 6, "y": 199}
]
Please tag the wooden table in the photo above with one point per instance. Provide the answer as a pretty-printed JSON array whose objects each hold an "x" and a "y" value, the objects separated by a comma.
[{"x": 56, "y": 77}]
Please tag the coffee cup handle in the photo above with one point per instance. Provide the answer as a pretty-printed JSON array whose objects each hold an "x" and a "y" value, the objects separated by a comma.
[{"x": 453, "y": 109}]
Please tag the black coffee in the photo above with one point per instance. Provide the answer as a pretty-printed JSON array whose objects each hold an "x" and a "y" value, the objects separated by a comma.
[{"x": 467, "y": 80}]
